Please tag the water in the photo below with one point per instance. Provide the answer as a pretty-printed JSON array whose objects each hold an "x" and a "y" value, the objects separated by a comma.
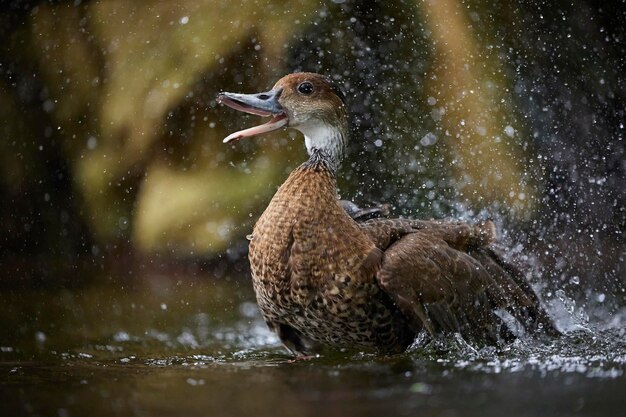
[{"x": 189, "y": 346}]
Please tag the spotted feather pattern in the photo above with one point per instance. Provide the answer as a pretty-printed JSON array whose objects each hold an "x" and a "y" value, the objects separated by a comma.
[{"x": 322, "y": 279}]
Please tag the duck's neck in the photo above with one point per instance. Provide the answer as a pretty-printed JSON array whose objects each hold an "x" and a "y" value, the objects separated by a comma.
[{"x": 325, "y": 143}]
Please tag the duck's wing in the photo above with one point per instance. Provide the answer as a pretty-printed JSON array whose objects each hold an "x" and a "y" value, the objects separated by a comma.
[
  {"x": 459, "y": 235},
  {"x": 510, "y": 291},
  {"x": 444, "y": 277},
  {"x": 439, "y": 288}
]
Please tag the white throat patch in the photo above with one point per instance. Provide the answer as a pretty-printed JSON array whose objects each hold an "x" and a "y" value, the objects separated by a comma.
[{"x": 323, "y": 137}]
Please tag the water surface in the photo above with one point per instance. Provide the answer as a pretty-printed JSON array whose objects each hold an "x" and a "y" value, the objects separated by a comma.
[{"x": 186, "y": 347}]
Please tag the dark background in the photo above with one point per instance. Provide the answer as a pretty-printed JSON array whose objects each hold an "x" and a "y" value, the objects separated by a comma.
[{"x": 111, "y": 161}]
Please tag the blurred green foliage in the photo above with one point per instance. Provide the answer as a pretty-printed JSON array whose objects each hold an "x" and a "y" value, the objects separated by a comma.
[{"x": 112, "y": 137}]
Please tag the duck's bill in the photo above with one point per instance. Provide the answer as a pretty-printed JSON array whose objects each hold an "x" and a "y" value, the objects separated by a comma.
[{"x": 262, "y": 104}]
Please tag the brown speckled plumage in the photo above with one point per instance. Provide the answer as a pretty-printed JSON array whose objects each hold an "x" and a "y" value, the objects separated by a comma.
[
  {"x": 323, "y": 279},
  {"x": 315, "y": 279}
]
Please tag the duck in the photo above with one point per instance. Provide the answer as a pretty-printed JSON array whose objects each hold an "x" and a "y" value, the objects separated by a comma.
[{"x": 328, "y": 275}]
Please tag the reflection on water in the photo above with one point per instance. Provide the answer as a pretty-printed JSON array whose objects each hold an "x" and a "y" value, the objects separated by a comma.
[{"x": 191, "y": 347}]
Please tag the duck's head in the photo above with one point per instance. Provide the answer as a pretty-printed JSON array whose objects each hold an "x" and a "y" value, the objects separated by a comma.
[{"x": 305, "y": 101}]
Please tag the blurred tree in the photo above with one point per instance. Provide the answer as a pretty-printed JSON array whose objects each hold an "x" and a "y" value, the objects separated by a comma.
[{"x": 111, "y": 137}]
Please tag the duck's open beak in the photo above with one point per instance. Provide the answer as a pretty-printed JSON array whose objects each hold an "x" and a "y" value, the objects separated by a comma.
[{"x": 262, "y": 104}]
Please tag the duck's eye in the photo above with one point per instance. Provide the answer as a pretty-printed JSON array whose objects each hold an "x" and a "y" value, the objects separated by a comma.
[{"x": 305, "y": 88}]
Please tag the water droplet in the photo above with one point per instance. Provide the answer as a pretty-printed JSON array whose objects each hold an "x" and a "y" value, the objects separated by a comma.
[{"x": 40, "y": 337}]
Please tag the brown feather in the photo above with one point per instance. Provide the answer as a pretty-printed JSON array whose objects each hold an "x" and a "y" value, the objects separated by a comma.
[
  {"x": 314, "y": 270},
  {"x": 323, "y": 279}
]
